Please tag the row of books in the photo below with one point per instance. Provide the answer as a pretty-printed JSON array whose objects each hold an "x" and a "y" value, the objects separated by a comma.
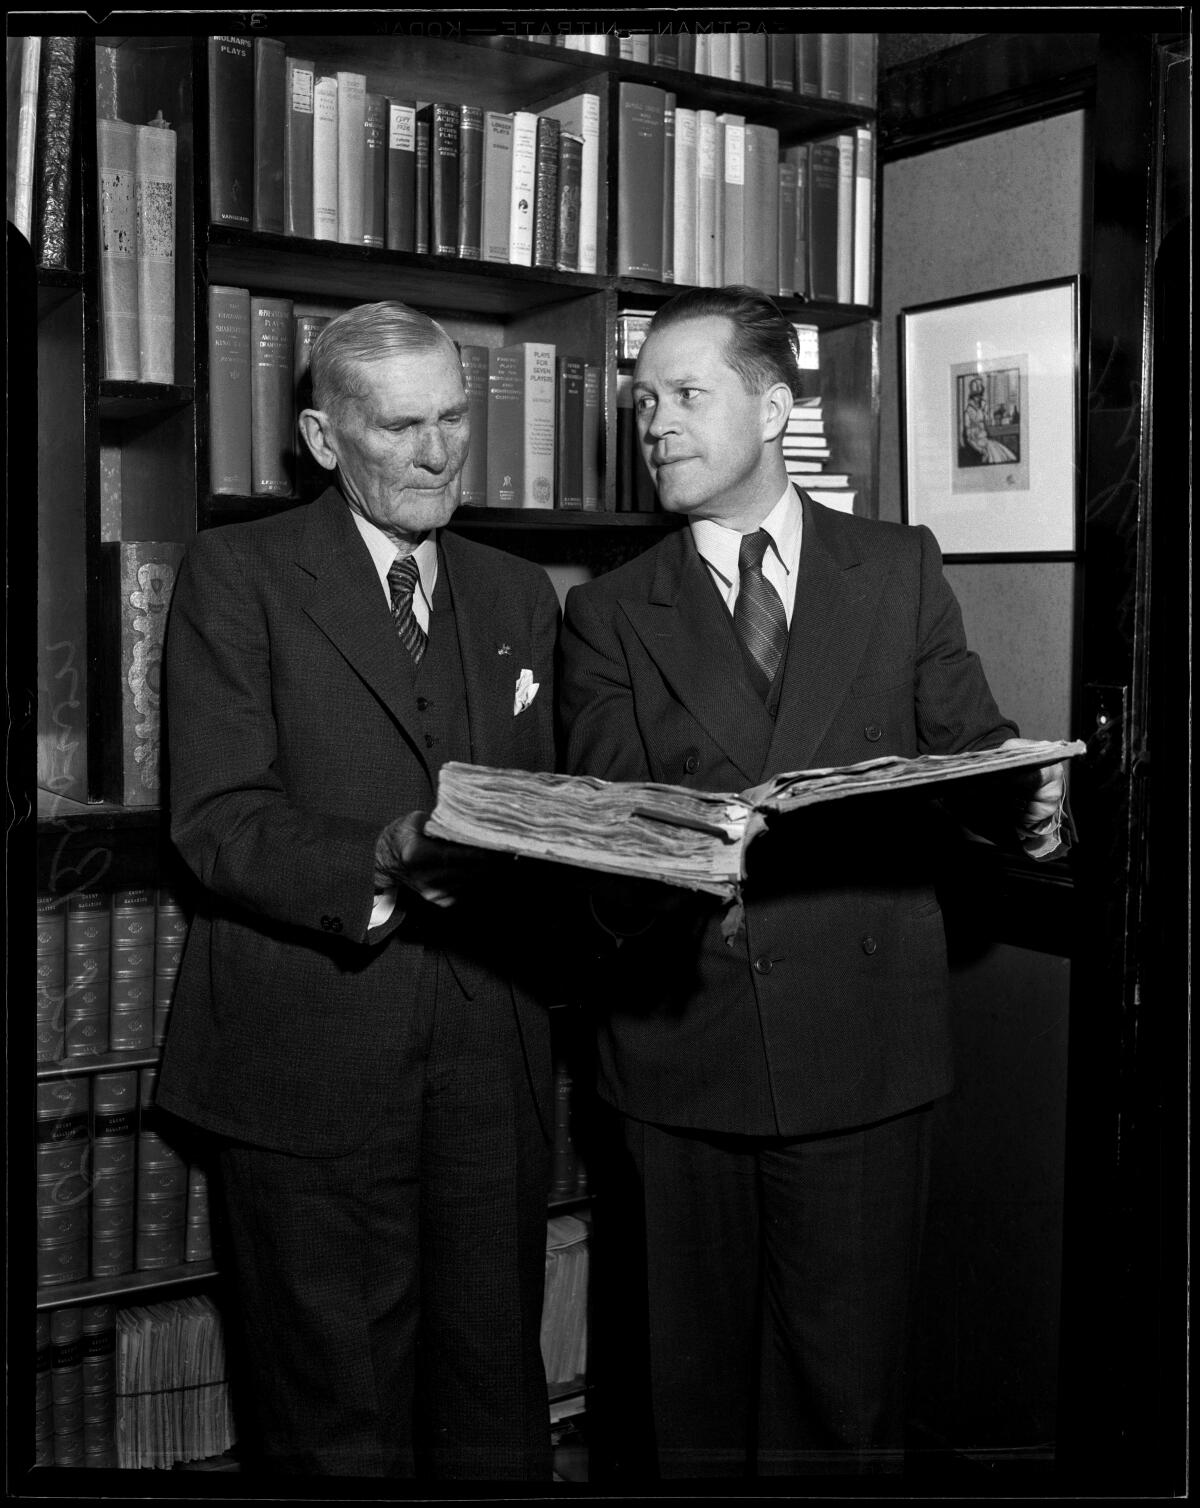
[
  {"x": 106, "y": 966},
  {"x": 737, "y": 208},
  {"x": 821, "y": 65},
  {"x": 144, "y": 1386},
  {"x": 298, "y": 152},
  {"x": 114, "y": 1195},
  {"x": 564, "y": 1305},
  {"x": 40, "y": 77},
  {"x": 535, "y": 414}
]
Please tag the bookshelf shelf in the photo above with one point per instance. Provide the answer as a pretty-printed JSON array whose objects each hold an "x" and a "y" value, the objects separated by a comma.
[
  {"x": 56, "y": 814},
  {"x": 128, "y": 1285},
  {"x": 132, "y": 400},
  {"x": 102, "y": 1062}
]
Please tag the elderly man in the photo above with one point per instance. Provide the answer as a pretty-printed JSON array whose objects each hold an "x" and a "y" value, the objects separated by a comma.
[{"x": 378, "y": 1078}]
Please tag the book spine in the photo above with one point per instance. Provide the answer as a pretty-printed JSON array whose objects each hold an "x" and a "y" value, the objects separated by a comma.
[
  {"x": 421, "y": 188},
  {"x": 497, "y": 185},
  {"x": 706, "y": 201},
  {"x": 640, "y": 181},
  {"x": 57, "y": 89},
  {"x": 703, "y": 44},
  {"x": 197, "y": 1234},
  {"x": 720, "y": 64},
  {"x": 799, "y": 156},
  {"x": 443, "y": 179},
  {"x": 88, "y": 935},
  {"x": 154, "y": 215},
  {"x": 170, "y": 934},
  {"x": 351, "y": 155},
  {"x": 231, "y": 130},
  {"x": 754, "y": 58},
  {"x": 540, "y": 424},
  {"x": 21, "y": 192},
  {"x": 475, "y": 380},
  {"x": 781, "y": 61},
  {"x": 400, "y": 233},
  {"x": 593, "y": 497},
  {"x": 66, "y": 1383},
  {"x": 299, "y": 80},
  {"x": 161, "y": 1212},
  {"x": 834, "y": 63},
  {"x": 505, "y": 427},
  {"x": 687, "y": 53},
  {"x": 668, "y": 197},
  {"x": 760, "y": 249},
  {"x": 627, "y": 444},
  {"x": 270, "y": 115},
  {"x": 570, "y": 179},
  {"x": 589, "y": 184},
  {"x": 823, "y": 169},
  {"x": 470, "y": 181},
  {"x": 808, "y": 64},
  {"x": 325, "y": 158},
  {"x": 569, "y": 434},
  {"x": 271, "y": 395},
  {"x": 114, "y": 1161},
  {"x": 43, "y": 1395},
  {"x": 664, "y": 50},
  {"x": 50, "y": 975},
  {"x": 733, "y": 269},
  {"x": 229, "y": 390},
  {"x": 62, "y": 1151},
  {"x": 563, "y": 1172},
  {"x": 117, "y": 222},
  {"x": 863, "y": 65},
  {"x": 864, "y": 213},
  {"x": 139, "y": 579},
  {"x": 99, "y": 1366},
  {"x": 524, "y": 180},
  {"x": 786, "y": 242},
  {"x": 374, "y": 169},
  {"x": 684, "y": 238},
  {"x": 545, "y": 191},
  {"x": 845, "y": 217}
]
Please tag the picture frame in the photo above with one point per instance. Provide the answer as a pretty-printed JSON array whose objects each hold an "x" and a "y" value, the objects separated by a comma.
[{"x": 989, "y": 420}]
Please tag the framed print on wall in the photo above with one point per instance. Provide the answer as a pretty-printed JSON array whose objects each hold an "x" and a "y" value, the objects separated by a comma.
[{"x": 989, "y": 420}]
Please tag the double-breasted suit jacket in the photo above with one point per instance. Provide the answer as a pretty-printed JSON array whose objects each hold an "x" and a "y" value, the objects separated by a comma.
[
  {"x": 829, "y": 1009},
  {"x": 297, "y": 731}
]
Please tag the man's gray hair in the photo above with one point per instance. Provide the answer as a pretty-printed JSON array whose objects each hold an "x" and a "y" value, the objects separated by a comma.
[{"x": 366, "y": 333}]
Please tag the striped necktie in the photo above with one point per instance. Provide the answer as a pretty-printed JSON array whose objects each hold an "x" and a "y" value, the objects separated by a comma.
[
  {"x": 402, "y": 582},
  {"x": 758, "y": 614}
]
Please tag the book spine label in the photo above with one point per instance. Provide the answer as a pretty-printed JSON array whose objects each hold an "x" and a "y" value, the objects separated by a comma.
[
  {"x": 592, "y": 460},
  {"x": 640, "y": 181},
  {"x": 298, "y": 148},
  {"x": 229, "y": 390},
  {"x": 325, "y": 158},
  {"x": 374, "y": 169},
  {"x": 117, "y": 222},
  {"x": 154, "y": 195},
  {"x": 231, "y": 130},
  {"x": 351, "y": 155},
  {"x": 470, "y": 181},
  {"x": 270, "y": 116},
  {"x": 475, "y": 380},
  {"x": 271, "y": 390},
  {"x": 545, "y": 192},
  {"x": 401, "y": 227},
  {"x": 570, "y": 178},
  {"x": 569, "y": 437},
  {"x": 524, "y": 178},
  {"x": 497, "y": 185}
]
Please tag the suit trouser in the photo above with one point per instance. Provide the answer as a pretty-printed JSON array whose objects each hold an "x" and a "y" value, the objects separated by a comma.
[
  {"x": 778, "y": 1285},
  {"x": 391, "y": 1298}
]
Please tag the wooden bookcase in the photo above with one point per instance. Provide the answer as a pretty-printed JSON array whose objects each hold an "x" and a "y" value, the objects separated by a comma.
[{"x": 138, "y": 453}]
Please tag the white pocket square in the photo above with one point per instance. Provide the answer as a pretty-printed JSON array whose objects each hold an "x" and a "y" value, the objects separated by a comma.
[{"x": 527, "y": 689}]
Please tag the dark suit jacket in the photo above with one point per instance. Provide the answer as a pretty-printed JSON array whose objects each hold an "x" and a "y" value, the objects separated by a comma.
[
  {"x": 294, "y": 737},
  {"x": 829, "y": 1011}
]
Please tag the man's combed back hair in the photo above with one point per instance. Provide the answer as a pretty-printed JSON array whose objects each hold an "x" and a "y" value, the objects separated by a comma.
[
  {"x": 366, "y": 333},
  {"x": 762, "y": 346}
]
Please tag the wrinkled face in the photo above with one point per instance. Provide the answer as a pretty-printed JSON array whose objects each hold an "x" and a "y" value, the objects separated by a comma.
[
  {"x": 704, "y": 437},
  {"x": 400, "y": 446}
]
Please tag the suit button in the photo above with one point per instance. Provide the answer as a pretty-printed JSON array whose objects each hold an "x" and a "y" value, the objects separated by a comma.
[
  {"x": 423, "y": 704},
  {"x": 430, "y": 740},
  {"x": 869, "y": 945},
  {"x": 692, "y": 763},
  {"x": 873, "y": 731},
  {"x": 763, "y": 965},
  {"x": 325, "y": 924}
]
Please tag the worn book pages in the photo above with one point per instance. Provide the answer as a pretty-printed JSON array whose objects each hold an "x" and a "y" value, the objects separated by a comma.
[{"x": 679, "y": 836}]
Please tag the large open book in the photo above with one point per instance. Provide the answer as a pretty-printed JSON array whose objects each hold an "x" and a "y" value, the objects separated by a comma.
[{"x": 696, "y": 839}]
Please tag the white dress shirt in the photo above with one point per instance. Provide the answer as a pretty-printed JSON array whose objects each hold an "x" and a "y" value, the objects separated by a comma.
[{"x": 719, "y": 546}]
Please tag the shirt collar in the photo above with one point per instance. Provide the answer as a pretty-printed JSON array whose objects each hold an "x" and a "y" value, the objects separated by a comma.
[
  {"x": 383, "y": 552},
  {"x": 719, "y": 546}
]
